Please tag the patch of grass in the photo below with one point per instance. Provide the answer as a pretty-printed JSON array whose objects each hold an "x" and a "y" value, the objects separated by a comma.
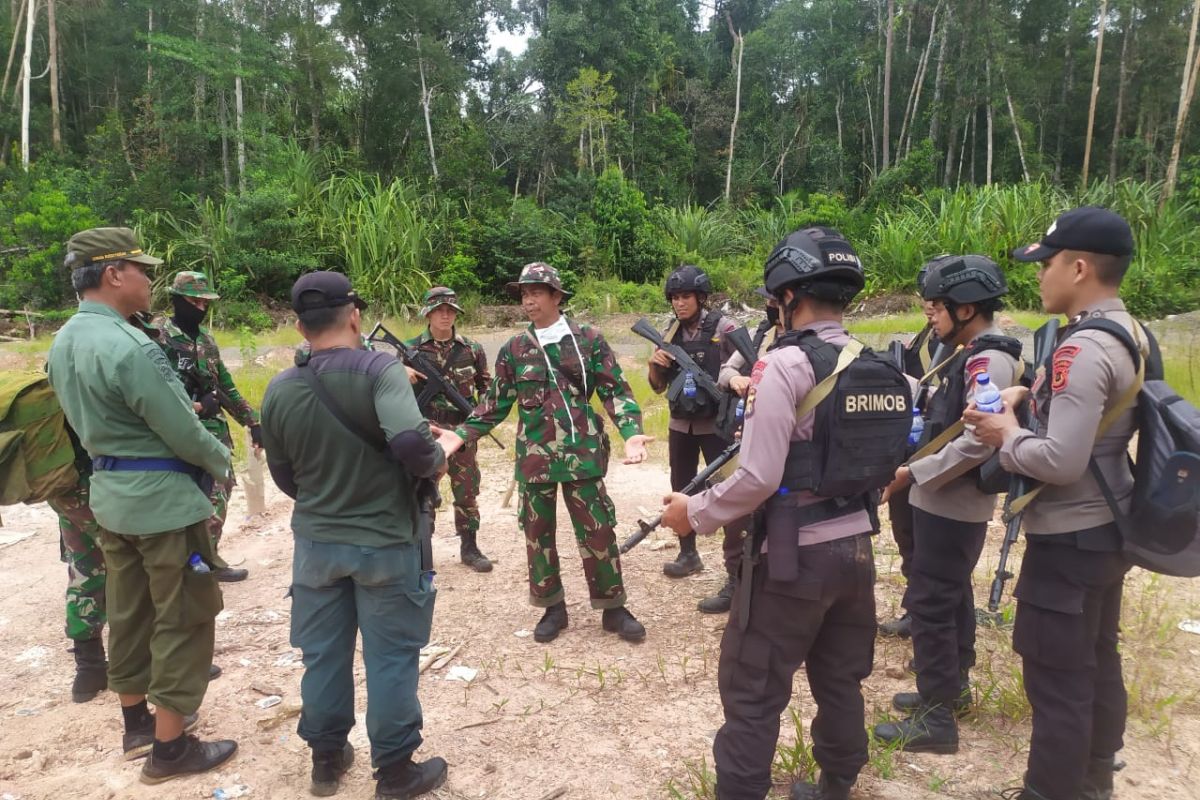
[
  {"x": 1180, "y": 370},
  {"x": 655, "y": 414},
  {"x": 794, "y": 759},
  {"x": 887, "y": 325},
  {"x": 699, "y": 782},
  {"x": 252, "y": 384},
  {"x": 881, "y": 755}
]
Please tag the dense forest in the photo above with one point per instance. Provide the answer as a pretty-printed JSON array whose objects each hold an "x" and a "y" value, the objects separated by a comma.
[{"x": 257, "y": 139}]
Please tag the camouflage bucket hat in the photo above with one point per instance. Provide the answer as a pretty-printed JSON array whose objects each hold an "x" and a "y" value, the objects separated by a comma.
[
  {"x": 193, "y": 284},
  {"x": 537, "y": 272},
  {"x": 106, "y": 244},
  {"x": 440, "y": 296}
]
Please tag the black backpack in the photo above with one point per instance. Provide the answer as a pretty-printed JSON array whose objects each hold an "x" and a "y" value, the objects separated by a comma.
[{"x": 1161, "y": 532}]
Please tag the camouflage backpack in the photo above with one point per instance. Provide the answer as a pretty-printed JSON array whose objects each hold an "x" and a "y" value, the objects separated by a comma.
[{"x": 37, "y": 458}]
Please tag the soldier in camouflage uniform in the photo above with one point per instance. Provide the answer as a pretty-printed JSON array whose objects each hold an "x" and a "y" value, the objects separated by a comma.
[
  {"x": 196, "y": 358},
  {"x": 550, "y": 371},
  {"x": 464, "y": 364},
  {"x": 79, "y": 549}
]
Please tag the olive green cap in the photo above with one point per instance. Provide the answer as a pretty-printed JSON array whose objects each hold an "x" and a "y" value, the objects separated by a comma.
[{"x": 106, "y": 244}]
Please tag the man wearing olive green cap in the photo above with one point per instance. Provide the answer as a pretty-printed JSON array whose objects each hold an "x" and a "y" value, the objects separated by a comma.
[
  {"x": 196, "y": 358},
  {"x": 152, "y": 461},
  {"x": 463, "y": 364}
]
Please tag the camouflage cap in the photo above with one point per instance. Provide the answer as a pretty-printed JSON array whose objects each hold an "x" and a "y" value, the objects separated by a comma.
[
  {"x": 537, "y": 272},
  {"x": 193, "y": 284},
  {"x": 106, "y": 244},
  {"x": 440, "y": 296}
]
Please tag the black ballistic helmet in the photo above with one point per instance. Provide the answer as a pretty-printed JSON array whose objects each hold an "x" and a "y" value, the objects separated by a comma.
[
  {"x": 817, "y": 261},
  {"x": 688, "y": 278},
  {"x": 963, "y": 279}
]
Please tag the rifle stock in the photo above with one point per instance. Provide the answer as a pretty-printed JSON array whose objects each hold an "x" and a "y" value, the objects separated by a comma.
[
  {"x": 644, "y": 329},
  {"x": 1043, "y": 345},
  {"x": 646, "y": 527},
  {"x": 740, "y": 339}
]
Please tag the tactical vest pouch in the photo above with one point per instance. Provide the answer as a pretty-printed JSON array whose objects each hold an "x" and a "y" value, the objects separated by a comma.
[{"x": 705, "y": 351}]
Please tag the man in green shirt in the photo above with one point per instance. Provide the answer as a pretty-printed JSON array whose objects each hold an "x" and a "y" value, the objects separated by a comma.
[
  {"x": 151, "y": 458},
  {"x": 345, "y": 439}
]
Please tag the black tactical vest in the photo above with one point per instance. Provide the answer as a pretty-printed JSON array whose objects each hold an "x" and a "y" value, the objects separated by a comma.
[
  {"x": 946, "y": 405},
  {"x": 705, "y": 350}
]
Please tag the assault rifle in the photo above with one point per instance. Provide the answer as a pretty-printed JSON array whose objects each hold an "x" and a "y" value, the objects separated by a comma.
[
  {"x": 428, "y": 501},
  {"x": 740, "y": 339},
  {"x": 1044, "y": 342},
  {"x": 682, "y": 359},
  {"x": 197, "y": 387},
  {"x": 436, "y": 382},
  {"x": 645, "y": 528}
]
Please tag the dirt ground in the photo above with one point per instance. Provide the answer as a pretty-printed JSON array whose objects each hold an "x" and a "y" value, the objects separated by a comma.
[{"x": 588, "y": 713}]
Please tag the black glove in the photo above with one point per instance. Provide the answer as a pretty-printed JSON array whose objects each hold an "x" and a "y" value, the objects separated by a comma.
[
  {"x": 256, "y": 435},
  {"x": 210, "y": 405}
]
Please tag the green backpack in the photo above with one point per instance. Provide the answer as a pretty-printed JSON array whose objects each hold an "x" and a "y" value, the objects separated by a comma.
[{"x": 37, "y": 458}]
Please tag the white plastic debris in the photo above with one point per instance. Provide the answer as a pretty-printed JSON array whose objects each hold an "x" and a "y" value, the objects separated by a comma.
[
  {"x": 523, "y": 634},
  {"x": 461, "y": 673},
  {"x": 267, "y": 702},
  {"x": 1190, "y": 626}
]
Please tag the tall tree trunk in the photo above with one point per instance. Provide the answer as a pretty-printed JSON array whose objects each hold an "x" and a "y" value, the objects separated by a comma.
[
  {"x": 52, "y": 36},
  {"x": 990, "y": 129},
  {"x": 1067, "y": 85},
  {"x": 315, "y": 95},
  {"x": 1186, "y": 89},
  {"x": 426, "y": 99},
  {"x": 904, "y": 143},
  {"x": 1087, "y": 145},
  {"x": 1012, "y": 114},
  {"x": 1122, "y": 83},
  {"x": 26, "y": 63},
  {"x": 201, "y": 88},
  {"x": 837, "y": 111},
  {"x": 737, "y": 104},
  {"x": 887, "y": 81},
  {"x": 223, "y": 110},
  {"x": 951, "y": 148},
  {"x": 18, "y": 19},
  {"x": 939, "y": 80},
  {"x": 149, "y": 47},
  {"x": 239, "y": 110},
  {"x": 874, "y": 141}
]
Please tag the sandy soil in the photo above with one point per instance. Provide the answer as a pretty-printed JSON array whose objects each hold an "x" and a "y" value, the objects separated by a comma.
[{"x": 595, "y": 716}]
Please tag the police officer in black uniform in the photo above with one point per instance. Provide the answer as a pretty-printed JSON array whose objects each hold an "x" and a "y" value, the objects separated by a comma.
[
  {"x": 810, "y": 600},
  {"x": 1069, "y": 590}
]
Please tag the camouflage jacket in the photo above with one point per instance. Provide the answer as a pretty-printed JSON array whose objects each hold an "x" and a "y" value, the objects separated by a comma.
[
  {"x": 198, "y": 364},
  {"x": 560, "y": 437},
  {"x": 463, "y": 362}
]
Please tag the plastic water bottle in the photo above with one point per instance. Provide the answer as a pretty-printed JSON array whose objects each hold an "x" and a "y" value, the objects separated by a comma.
[
  {"x": 918, "y": 428},
  {"x": 987, "y": 396},
  {"x": 689, "y": 384},
  {"x": 196, "y": 563},
  {"x": 739, "y": 410}
]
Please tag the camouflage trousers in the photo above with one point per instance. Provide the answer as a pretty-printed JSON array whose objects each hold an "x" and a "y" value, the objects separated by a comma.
[
  {"x": 79, "y": 548},
  {"x": 593, "y": 517},
  {"x": 463, "y": 471},
  {"x": 219, "y": 496}
]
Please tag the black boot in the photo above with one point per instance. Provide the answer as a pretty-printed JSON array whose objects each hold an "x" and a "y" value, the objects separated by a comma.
[
  {"x": 328, "y": 768},
  {"x": 91, "y": 670},
  {"x": 908, "y": 702},
  {"x": 552, "y": 623},
  {"x": 722, "y": 601},
  {"x": 1025, "y": 792},
  {"x": 829, "y": 787},
  {"x": 687, "y": 562},
  {"x": 138, "y": 741},
  {"x": 1098, "y": 783},
  {"x": 408, "y": 778},
  {"x": 929, "y": 729},
  {"x": 901, "y": 627},
  {"x": 197, "y": 756},
  {"x": 624, "y": 624},
  {"x": 468, "y": 553},
  {"x": 230, "y": 574}
]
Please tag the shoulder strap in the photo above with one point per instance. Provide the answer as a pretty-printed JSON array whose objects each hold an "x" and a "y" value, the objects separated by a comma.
[
  {"x": 852, "y": 350},
  {"x": 709, "y": 329},
  {"x": 314, "y": 383},
  {"x": 672, "y": 330}
]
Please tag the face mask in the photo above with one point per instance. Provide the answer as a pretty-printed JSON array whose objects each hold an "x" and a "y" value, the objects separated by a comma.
[
  {"x": 187, "y": 316},
  {"x": 773, "y": 315},
  {"x": 553, "y": 334}
]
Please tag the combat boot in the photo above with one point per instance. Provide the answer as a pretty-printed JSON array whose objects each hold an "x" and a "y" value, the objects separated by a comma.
[
  {"x": 408, "y": 778},
  {"x": 328, "y": 768},
  {"x": 91, "y": 670},
  {"x": 900, "y": 628},
  {"x": 622, "y": 623},
  {"x": 1098, "y": 783},
  {"x": 722, "y": 601},
  {"x": 197, "y": 756},
  {"x": 552, "y": 623},
  {"x": 230, "y": 574},
  {"x": 468, "y": 553},
  {"x": 908, "y": 702},
  {"x": 1025, "y": 792},
  {"x": 829, "y": 787},
  {"x": 686, "y": 563},
  {"x": 139, "y": 741},
  {"x": 929, "y": 729}
]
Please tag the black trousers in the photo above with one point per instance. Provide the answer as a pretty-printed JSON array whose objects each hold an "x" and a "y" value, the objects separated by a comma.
[
  {"x": 901, "y": 515},
  {"x": 1066, "y": 630},
  {"x": 825, "y": 619},
  {"x": 683, "y": 450},
  {"x": 942, "y": 602}
]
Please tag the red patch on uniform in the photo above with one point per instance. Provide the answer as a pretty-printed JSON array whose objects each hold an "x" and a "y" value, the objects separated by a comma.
[
  {"x": 976, "y": 367},
  {"x": 756, "y": 374},
  {"x": 1063, "y": 358}
]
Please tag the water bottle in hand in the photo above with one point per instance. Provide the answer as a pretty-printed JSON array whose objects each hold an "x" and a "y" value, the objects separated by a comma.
[
  {"x": 689, "y": 384},
  {"x": 739, "y": 410},
  {"x": 987, "y": 396},
  {"x": 918, "y": 428},
  {"x": 196, "y": 564}
]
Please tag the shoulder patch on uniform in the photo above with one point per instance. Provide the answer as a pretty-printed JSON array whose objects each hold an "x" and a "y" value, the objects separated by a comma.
[
  {"x": 1063, "y": 358},
  {"x": 756, "y": 374},
  {"x": 976, "y": 367}
]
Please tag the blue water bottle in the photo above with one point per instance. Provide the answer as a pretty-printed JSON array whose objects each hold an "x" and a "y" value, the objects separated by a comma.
[
  {"x": 918, "y": 428},
  {"x": 987, "y": 396},
  {"x": 689, "y": 384},
  {"x": 739, "y": 411},
  {"x": 196, "y": 564}
]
